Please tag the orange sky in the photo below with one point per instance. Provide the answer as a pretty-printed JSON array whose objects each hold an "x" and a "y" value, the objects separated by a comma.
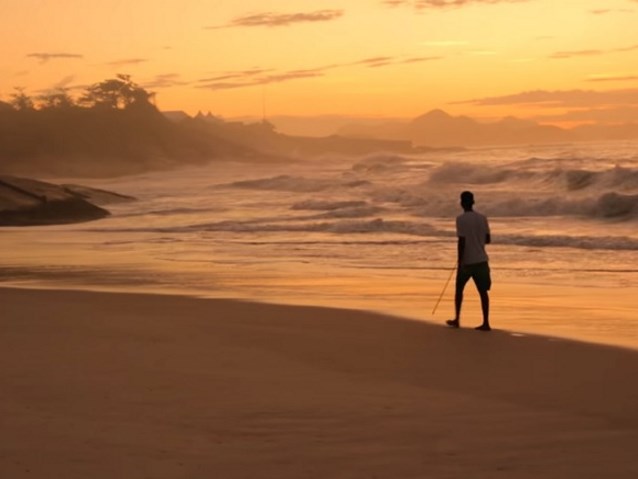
[{"x": 567, "y": 60}]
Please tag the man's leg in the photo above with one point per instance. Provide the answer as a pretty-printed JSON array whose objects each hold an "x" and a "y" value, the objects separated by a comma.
[
  {"x": 483, "y": 282},
  {"x": 461, "y": 280},
  {"x": 485, "y": 307}
]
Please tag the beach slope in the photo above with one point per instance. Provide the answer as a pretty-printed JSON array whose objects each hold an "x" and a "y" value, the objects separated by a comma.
[{"x": 106, "y": 385}]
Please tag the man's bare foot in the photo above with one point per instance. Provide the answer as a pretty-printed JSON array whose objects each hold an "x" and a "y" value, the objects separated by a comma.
[
  {"x": 483, "y": 327},
  {"x": 453, "y": 323}
]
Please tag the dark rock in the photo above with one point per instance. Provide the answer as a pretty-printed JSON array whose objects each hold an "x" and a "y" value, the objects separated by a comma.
[
  {"x": 97, "y": 196},
  {"x": 28, "y": 202}
]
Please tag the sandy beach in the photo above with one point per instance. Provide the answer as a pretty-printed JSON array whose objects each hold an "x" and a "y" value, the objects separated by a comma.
[{"x": 105, "y": 385}]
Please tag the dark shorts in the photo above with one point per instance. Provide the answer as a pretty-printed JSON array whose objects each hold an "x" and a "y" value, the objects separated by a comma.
[{"x": 479, "y": 272}]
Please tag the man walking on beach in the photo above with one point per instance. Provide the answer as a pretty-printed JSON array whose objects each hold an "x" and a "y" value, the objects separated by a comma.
[{"x": 473, "y": 232}]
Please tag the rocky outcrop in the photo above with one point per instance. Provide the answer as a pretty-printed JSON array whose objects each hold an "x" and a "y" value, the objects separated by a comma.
[
  {"x": 97, "y": 196},
  {"x": 28, "y": 202}
]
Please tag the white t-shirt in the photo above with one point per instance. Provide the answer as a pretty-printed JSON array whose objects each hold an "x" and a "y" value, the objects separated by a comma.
[{"x": 473, "y": 226}]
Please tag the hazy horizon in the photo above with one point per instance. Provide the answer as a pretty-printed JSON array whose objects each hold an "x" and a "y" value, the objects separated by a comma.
[{"x": 561, "y": 64}]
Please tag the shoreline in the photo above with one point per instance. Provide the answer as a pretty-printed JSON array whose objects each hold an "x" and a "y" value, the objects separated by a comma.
[
  {"x": 106, "y": 384},
  {"x": 515, "y": 307}
]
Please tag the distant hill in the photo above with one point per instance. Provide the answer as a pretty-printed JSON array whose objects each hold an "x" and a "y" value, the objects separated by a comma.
[
  {"x": 316, "y": 126},
  {"x": 99, "y": 142},
  {"x": 264, "y": 138},
  {"x": 439, "y": 129},
  {"x": 176, "y": 115}
]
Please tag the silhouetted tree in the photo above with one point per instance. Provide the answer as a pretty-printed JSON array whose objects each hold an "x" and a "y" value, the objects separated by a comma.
[
  {"x": 58, "y": 99},
  {"x": 117, "y": 93},
  {"x": 113, "y": 128},
  {"x": 20, "y": 100}
]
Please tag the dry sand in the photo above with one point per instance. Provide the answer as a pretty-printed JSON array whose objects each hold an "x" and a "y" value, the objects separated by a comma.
[{"x": 99, "y": 385}]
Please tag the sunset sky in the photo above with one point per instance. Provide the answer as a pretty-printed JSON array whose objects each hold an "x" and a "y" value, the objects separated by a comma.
[{"x": 554, "y": 61}]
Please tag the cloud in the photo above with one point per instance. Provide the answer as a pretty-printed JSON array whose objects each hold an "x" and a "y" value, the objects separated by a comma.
[
  {"x": 45, "y": 57},
  {"x": 590, "y": 53},
  {"x": 563, "y": 98},
  {"x": 486, "y": 53},
  {"x": 62, "y": 85},
  {"x": 612, "y": 78},
  {"x": 446, "y": 43},
  {"x": 243, "y": 81},
  {"x": 419, "y": 60},
  {"x": 604, "y": 11},
  {"x": 440, "y": 4},
  {"x": 259, "y": 76},
  {"x": 128, "y": 61},
  {"x": 577, "y": 53},
  {"x": 269, "y": 19},
  {"x": 388, "y": 61},
  {"x": 292, "y": 75},
  {"x": 242, "y": 74},
  {"x": 375, "y": 62},
  {"x": 64, "y": 82},
  {"x": 165, "y": 80}
]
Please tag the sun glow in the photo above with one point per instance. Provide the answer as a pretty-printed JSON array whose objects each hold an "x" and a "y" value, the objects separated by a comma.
[{"x": 369, "y": 57}]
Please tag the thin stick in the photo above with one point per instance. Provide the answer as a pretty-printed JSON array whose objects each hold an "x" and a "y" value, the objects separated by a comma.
[{"x": 444, "y": 288}]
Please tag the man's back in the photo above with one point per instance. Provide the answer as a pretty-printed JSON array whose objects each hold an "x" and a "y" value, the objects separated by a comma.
[{"x": 473, "y": 226}]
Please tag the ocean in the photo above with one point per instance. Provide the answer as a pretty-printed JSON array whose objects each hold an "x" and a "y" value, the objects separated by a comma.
[{"x": 373, "y": 232}]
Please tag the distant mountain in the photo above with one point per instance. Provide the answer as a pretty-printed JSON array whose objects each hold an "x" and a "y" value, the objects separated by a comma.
[
  {"x": 316, "y": 126},
  {"x": 439, "y": 129},
  {"x": 264, "y": 138}
]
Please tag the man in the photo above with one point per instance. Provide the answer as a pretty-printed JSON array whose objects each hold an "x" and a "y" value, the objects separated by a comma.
[{"x": 473, "y": 234}]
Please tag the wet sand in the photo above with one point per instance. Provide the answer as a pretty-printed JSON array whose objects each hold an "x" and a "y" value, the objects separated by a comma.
[{"x": 105, "y": 385}]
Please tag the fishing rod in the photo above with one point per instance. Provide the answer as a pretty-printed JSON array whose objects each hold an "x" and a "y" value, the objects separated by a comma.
[{"x": 444, "y": 288}]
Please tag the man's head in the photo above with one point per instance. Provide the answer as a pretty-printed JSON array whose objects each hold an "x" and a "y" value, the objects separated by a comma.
[{"x": 467, "y": 200}]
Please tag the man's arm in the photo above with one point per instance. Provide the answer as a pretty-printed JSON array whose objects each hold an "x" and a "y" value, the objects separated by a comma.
[
  {"x": 488, "y": 238},
  {"x": 461, "y": 250}
]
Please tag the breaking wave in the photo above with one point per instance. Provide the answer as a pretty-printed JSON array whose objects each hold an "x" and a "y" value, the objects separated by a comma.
[
  {"x": 616, "y": 178},
  {"x": 618, "y": 243},
  {"x": 326, "y": 205},
  {"x": 377, "y": 225},
  {"x": 605, "y": 206},
  {"x": 296, "y": 184},
  {"x": 421, "y": 230},
  {"x": 284, "y": 183}
]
